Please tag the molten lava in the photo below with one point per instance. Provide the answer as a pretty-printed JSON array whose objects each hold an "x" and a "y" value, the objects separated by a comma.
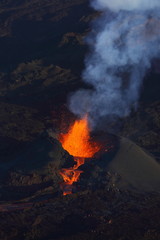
[{"x": 78, "y": 143}]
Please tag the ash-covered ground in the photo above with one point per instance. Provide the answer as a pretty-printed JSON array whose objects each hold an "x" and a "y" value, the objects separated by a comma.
[{"x": 42, "y": 56}]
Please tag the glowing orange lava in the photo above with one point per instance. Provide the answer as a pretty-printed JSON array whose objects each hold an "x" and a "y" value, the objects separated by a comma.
[{"x": 78, "y": 143}]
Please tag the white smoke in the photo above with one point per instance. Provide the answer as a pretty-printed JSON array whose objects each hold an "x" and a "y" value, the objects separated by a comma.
[
  {"x": 122, "y": 47},
  {"x": 129, "y": 5}
]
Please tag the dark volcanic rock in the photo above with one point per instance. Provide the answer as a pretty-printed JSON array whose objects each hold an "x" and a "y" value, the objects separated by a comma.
[
  {"x": 19, "y": 122},
  {"x": 91, "y": 215},
  {"x": 33, "y": 168},
  {"x": 32, "y": 29},
  {"x": 42, "y": 56}
]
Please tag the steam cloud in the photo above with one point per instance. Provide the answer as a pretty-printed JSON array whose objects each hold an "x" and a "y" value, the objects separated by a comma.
[{"x": 124, "y": 41}]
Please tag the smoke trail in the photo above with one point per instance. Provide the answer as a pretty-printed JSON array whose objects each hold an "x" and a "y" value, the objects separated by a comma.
[
  {"x": 126, "y": 38},
  {"x": 129, "y": 5}
]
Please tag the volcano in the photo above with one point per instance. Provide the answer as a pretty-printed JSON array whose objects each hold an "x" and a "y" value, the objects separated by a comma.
[
  {"x": 131, "y": 166},
  {"x": 78, "y": 143},
  {"x": 49, "y": 190}
]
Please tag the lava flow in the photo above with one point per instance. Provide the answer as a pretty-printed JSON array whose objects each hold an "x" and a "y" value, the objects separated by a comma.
[{"x": 78, "y": 143}]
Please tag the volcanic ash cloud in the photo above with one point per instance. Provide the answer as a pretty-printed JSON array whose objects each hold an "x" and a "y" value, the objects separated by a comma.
[{"x": 122, "y": 44}]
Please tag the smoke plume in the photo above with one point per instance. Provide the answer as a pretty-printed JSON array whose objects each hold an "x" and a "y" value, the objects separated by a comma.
[{"x": 122, "y": 44}]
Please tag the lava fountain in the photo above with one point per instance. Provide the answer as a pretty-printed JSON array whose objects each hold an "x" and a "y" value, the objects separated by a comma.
[{"x": 77, "y": 142}]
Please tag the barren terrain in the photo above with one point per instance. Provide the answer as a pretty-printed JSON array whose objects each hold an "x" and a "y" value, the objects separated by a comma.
[{"x": 42, "y": 51}]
